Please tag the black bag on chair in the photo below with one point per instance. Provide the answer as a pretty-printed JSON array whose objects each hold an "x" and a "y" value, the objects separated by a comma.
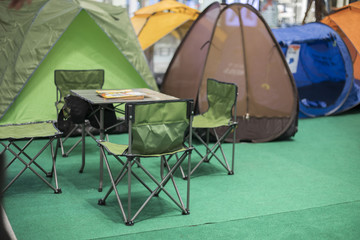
[
  {"x": 109, "y": 116},
  {"x": 63, "y": 123},
  {"x": 78, "y": 109},
  {"x": 74, "y": 111}
]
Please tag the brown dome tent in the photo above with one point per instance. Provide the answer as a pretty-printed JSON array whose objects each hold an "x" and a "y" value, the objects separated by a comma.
[{"x": 233, "y": 43}]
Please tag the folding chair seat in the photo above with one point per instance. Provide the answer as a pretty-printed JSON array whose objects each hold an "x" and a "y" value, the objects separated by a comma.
[
  {"x": 156, "y": 130},
  {"x": 73, "y": 111},
  {"x": 221, "y": 104},
  {"x": 10, "y": 135}
]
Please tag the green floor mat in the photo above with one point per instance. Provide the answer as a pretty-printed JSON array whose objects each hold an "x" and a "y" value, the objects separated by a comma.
[{"x": 304, "y": 188}]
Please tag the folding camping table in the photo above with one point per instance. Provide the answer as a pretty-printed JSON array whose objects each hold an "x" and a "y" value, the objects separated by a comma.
[{"x": 94, "y": 98}]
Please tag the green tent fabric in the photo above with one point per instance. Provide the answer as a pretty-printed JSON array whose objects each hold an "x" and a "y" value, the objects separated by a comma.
[{"x": 63, "y": 34}]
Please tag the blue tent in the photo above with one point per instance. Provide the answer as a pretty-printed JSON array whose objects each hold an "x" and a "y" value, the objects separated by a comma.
[{"x": 322, "y": 69}]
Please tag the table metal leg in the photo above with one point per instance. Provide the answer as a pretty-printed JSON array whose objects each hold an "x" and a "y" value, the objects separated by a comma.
[
  {"x": 82, "y": 148},
  {"x": 102, "y": 136}
]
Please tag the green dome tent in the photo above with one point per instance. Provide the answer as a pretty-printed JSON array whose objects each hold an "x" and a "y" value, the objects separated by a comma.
[{"x": 63, "y": 34}]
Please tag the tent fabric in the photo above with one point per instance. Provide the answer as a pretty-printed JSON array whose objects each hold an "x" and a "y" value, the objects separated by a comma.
[
  {"x": 233, "y": 43},
  {"x": 62, "y": 34},
  {"x": 345, "y": 21},
  {"x": 322, "y": 68},
  {"x": 154, "y": 22}
]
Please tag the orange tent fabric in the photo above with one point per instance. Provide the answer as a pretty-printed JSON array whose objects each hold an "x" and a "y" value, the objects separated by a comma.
[
  {"x": 346, "y": 22},
  {"x": 154, "y": 22}
]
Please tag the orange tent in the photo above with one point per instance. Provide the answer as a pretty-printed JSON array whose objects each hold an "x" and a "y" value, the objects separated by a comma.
[
  {"x": 154, "y": 22},
  {"x": 346, "y": 22}
]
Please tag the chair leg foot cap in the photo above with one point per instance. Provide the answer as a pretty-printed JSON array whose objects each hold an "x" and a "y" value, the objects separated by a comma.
[
  {"x": 129, "y": 223},
  {"x": 185, "y": 178},
  {"x": 58, "y": 191},
  {"x": 100, "y": 190},
  {"x": 101, "y": 202},
  {"x": 80, "y": 171},
  {"x": 231, "y": 173},
  {"x": 49, "y": 174},
  {"x": 187, "y": 212}
]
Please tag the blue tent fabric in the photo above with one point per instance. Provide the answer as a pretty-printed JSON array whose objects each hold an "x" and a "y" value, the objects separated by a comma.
[{"x": 324, "y": 71}]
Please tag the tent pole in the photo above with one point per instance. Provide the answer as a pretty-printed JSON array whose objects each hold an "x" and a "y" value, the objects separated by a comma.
[{"x": 246, "y": 75}]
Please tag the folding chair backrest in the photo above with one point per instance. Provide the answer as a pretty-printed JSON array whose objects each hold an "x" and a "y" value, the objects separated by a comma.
[
  {"x": 221, "y": 99},
  {"x": 65, "y": 80},
  {"x": 158, "y": 127}
]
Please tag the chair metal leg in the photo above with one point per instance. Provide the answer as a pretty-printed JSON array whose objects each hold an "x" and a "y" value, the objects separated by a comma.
[
  {"x": 121, "y": 175},
  {"x": 82, "y": 148},
  {"x": 84, "y": 133},
  {"x": 183, "y": 175},
  {"x": 32, "y": 161},
  {"x": 102, "y": 133},
  {"x": 222, "y": 152},
  {"x": 35, "y": 163},
  {"x": 160, "y": 186},
  {"x": 211, "y": 152},
  {"x": 53, "y": 171},
  {"x": 129, "y": 217},
  {"x": 21, "y": 150},
  {"x": 102, "y": 201},
  {"x": 174, "y": 184},
  {"x": 131, "y": 221},
  {"x": 233, "y": 150},
  {"x": 188, "y": 185},
  {"x": 63, "y": 140},
  {"x": 182, "y": 170},
  {"x": 162, "y": 162},
  {"x": 117, "y": 179},
  {"x": 55, "y": 153},
  {"x": 207, "y": 143}
]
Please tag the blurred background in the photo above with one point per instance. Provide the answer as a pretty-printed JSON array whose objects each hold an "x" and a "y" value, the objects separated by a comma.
[{"x": 277, "y": 13}]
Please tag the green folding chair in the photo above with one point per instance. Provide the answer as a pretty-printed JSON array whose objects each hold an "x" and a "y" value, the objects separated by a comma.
[
  {"x": 10, "y": 135},
  {"x": 221, "y": 104},
  {"x": 156, "y": 129},
  {"x": 66, "y": 80}
]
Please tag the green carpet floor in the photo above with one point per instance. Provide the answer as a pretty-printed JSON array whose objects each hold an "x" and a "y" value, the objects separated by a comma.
[{"x": 304, "y": 188}]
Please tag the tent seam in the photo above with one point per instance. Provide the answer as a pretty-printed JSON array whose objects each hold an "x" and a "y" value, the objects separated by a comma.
[{"x": 121, "y": 50}]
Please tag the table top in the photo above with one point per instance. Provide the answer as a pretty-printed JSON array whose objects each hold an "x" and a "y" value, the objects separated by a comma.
[{"x": 91, "y": 96}]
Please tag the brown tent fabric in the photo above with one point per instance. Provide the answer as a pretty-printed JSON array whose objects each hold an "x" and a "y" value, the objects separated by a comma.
[
  {"x": 346, "y": 22},
  {"x": 232, "y": 43}
]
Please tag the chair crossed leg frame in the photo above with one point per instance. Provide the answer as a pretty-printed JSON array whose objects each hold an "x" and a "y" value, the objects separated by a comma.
[
  {"x": 32, "y": 161},
  {"x": 82, "y": 140},
  {"x": 160, "y": 185},
  {"x": 84, "y": 132},
  {"x": 211, "y": 152}
]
